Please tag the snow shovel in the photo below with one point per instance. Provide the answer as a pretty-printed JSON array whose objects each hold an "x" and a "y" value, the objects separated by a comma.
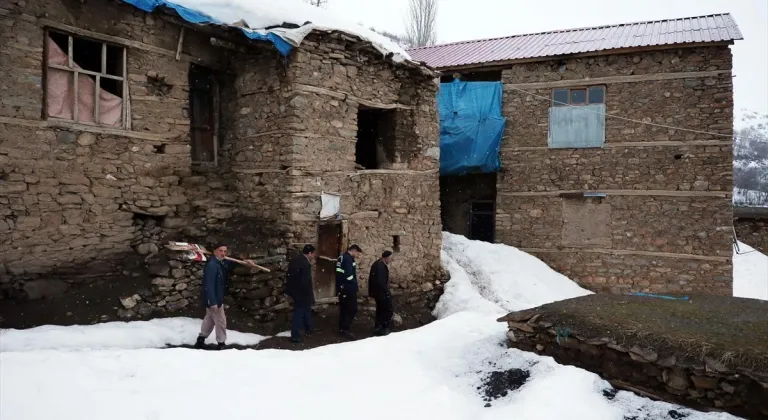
[{"x": 183, "y": 246}]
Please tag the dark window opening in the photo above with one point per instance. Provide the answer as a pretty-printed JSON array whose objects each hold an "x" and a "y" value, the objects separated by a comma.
[
  {"x": 203, "y": 114},
  {"x": 474, "y": 76},
  {"x": 578, "y": 96},
  {"x": 87, "y": 54},
  {"x": 375, "y": 137},
  {"x": 396, "y": 243}
]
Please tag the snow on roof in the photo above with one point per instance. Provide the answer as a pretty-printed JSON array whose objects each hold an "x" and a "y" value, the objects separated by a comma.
[{"x": 285, "y": 23}]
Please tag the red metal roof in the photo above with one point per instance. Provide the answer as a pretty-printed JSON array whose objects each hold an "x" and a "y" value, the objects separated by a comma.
[{"x": 701, "y": 29}]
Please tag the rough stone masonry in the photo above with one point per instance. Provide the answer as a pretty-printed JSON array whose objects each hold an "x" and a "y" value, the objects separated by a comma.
[{"x": 79, "y": 199}]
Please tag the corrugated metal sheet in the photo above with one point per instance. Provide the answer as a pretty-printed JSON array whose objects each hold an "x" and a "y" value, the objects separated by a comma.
[{"x": 700, "y": 29}]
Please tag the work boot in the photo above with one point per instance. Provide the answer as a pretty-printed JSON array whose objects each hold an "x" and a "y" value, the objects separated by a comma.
[
  {"x": 200, "y": 343},
  {"x": 220, "y": 346},
  {"x": 296, "y": 340},
  {"x": 346, "y": 334}
]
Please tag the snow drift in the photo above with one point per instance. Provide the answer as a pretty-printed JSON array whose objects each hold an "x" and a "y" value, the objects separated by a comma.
[{"x": 750, "y": 272}]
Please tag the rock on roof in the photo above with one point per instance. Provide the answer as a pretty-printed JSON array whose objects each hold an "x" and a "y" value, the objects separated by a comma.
[{"x": 681, "y": 31}]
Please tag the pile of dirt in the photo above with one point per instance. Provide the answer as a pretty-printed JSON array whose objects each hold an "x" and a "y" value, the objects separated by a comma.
[{"x": 499, "y": 384}]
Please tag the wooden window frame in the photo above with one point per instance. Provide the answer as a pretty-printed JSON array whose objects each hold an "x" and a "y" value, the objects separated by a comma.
[
  {"x": 124, "y": 107},
  {"x": 586, "y": 96},
  {"x": 215, "y": 92}
]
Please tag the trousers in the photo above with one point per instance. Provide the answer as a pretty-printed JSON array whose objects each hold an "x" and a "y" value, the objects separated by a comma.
[
  {"x": 347, "y": 310},
  {"x": 215, "y": 318}
]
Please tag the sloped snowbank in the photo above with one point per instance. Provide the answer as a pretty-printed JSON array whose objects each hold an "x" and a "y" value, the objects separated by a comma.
[
  {"x": 156, "y": 333},
  {"x": 497, "y": 279},
  {"x": 750, "y": 272}
]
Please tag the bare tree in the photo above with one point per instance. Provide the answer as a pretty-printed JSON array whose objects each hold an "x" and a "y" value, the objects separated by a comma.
[
  {"x": 420, "y": 25},
  {"x": 317, "y": 3}
]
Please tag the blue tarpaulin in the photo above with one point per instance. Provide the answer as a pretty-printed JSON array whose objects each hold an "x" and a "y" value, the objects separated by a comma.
[
  {"x": 197, "y": 17},
  {"x": 471, "y": 127}
]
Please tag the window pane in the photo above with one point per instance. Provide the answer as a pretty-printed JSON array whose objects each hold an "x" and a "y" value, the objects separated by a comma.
[
  {"x": 578, "y": 96},
  {"x": 596, "y": 95},
  {"x": 560, "y": 97}
]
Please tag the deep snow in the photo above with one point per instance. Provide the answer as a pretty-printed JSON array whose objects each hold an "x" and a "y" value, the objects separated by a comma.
[
  {"x": 430, "y": 372},
  {"x": 750, "y": 272}
]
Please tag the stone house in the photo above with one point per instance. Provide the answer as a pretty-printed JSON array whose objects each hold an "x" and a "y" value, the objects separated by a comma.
[
  {"x": 193, "y": 131},
  {"x": 616, "y": 158}
]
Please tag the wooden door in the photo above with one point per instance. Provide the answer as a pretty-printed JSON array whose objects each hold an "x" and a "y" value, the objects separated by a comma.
[{"x": 329, "y": 237}]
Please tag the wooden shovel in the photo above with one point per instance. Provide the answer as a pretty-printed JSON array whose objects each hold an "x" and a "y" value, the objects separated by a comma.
[{"x": 181, "y": 246}]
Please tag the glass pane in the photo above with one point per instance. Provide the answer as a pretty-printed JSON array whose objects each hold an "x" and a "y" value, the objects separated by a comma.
[
  {"x": 596, "y": 95},
  {"x": 578, "y": 96},
  {"x": 560, "y": 97}
]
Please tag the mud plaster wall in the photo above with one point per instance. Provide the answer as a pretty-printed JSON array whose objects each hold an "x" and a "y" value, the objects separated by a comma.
[{"x": 530, "y": 212}]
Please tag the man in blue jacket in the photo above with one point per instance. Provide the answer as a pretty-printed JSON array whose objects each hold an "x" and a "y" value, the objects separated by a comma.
[
  {"x": 299, "y": 289},
  {"x": 215, "y": 275},
  {"x": 346, "y": 289}
]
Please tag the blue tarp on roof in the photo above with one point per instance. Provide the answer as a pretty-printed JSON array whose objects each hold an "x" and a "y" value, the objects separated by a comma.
[
  {"x": 197, "y": 17},
  {"x": 471, "y": 127}
]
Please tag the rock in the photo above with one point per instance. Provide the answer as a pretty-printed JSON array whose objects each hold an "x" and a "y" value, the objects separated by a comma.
[
  {"x": 159, "y": 269},
  {"x": 66, "y": 137},
  {"x": 86, "y": 139},
  {"x": 676, "y": 379},
  {"x": 178, "y": 273},
  {"x": 511, "y": 336},
  {"x": 145, "y": 309},
  {"x": 126, "y": 313},
  {"x": 426, "y": 287},
  {"x": 173, "y": 298},
  {"x": 714, "y": 365},
  {"x": 146, "y": 248},
  {"x": 175, "y": 306},
  {"x": 163, "y": 282},
  {"x": 520, "y": 326},
  {"x": 668, "y": 361},
  {"x": 181, "y": 286},
  {"x": 38, "y": 289},
  {"x": 646, "y": 355},
  {"x": 397, "y": 320},
  {"x": 130, "y": 301},
  {"x": 704, "y": 382},
  {"x": 725, "y": 386}
]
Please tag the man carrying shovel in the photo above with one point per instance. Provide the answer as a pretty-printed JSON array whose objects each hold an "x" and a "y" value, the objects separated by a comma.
[{"x": 215, "y": 277}]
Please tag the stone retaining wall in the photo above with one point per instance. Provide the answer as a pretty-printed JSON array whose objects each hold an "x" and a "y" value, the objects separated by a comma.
[
  {"x": 701, "y": 384},
  {"x": 753, "y": 232}
]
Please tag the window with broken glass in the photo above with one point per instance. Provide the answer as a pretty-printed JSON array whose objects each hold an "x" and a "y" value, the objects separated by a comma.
[{"x": 85, "y": 80}]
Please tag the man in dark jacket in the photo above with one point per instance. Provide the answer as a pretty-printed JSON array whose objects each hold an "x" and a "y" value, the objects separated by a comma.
[
  {"x": 346, "y": 289},
  {"x": 299, "y": 288},
  {"x": 215, "y": 275},
  {"x": 378, "y": 289}
]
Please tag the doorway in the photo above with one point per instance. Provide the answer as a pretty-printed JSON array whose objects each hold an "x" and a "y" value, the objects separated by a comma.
[
  {"x": 329, "y": 236},
  {"x": 468, "y": 205},
  {"x": 482, "y": 220}
]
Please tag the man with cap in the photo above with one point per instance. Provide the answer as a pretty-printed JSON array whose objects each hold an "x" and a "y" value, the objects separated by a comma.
[
  {"x": 215, "y": 277},
  {"x": 299, "y": 288},
  {"x": 346, "y": 289},
  {"x": 378, "y": 289}
]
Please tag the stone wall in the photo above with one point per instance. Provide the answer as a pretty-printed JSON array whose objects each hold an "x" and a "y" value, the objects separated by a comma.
[
  {"x": 76, "y": 199},
  {"x": 665, "y": 222}
]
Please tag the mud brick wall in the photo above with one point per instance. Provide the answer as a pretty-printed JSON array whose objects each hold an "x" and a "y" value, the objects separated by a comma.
[
  {"x": 667, "y": 215},
  {"x": 753, "y": 232}
]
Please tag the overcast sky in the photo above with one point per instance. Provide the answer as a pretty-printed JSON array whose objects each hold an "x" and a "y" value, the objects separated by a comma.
[{"x": 473, "y": 19}]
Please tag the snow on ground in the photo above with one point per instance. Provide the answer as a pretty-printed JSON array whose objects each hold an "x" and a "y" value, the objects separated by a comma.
[
  {"x": 156, "y": 333},
  {"x": 261, "y": 14},
  {"x": 750, "y": 272},
  {"x": 431, "y": 372},
  {"x": 750, "y": 198}
]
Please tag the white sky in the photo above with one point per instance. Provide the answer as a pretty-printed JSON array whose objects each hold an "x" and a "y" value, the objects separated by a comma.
[{"x": 472, "y": 19}]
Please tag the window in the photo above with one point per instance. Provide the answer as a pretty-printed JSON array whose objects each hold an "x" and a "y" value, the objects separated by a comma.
[
  {"x": 396, "y": 243},
  {"x": 577, "y": 118},
  {"x": 84, "y": 80},
  {"x": 578, "y": 96},
  {"x": 203, "y": 114},
  {"x": 375, "y": 137}
]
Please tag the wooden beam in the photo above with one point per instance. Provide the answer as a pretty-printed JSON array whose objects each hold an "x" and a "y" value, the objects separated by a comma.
[
  {"x": 616, "y": 79},
  {"x": 502, "y": 64},
  {"x": 71, "y": 125},
  {"x": 344, "y": 96},
  {"x": 627, "y": 252},
  {"x": 180, "y": 43},
  {"x": 662, "y": 193},
  {"x": 697, "y": 143}
]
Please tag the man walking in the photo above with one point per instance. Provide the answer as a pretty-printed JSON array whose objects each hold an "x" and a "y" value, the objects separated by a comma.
[
  {"x": 215, "y": 275},
  {"x": 378, "y": 289},
  {"x": 346, "y": 289},
  {"x": 299, "y": 288}
]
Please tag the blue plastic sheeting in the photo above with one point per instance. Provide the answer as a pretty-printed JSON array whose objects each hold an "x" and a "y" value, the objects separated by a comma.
[
  {"x": 197, "y": 17},
  {"x": 471, "y": 127}
]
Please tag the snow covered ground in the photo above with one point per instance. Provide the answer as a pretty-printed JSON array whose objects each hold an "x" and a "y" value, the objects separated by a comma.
[
  {"x": 430, "y": 372},
  {"x": 750, "y": 272}
]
